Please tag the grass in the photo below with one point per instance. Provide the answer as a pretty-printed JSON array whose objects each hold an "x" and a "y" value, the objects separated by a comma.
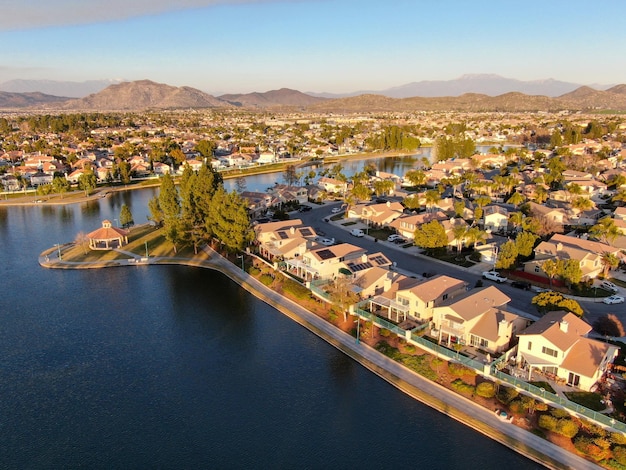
[
  {"x": 587, "y": 399},
  {"x": 453, "y": 258},
  {"x": 545, "y": 385}
]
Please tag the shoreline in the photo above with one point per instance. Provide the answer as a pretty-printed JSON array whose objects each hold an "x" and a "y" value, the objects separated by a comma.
[
  {"x": 430, "y": 393},
  {"x": 103, "y": 191}
]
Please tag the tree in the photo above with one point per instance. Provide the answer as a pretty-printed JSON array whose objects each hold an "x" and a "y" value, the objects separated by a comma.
[
  {"x": 431, "y": 198},
  {"x": 605, "y": 230},
  {"x": 415, "y": 177},
  {"x": 551, "y": 268},
  {"x": 507, "y": 256},
  {"x": 609, "y": 325},
  {"x": 124, "y": 172},
  {"x": 290, "y": 175},
  {"x": 342, "y": 295},
  {"x": 126, "y": 217},
  {"x": 460, "y": 232},
  {"x": 61, "y": 185},
  {"x": 431, "y": 235},
  {"x": 516, "y": 199},
  {"x": 516, "y": 219},
  {"x": 549, "y": 301},
  {"x": 206, "y": 148},
  {"x": 609, "y": 261},
  {"x": 87, "y": 181},
  {"x": 475, "y": 236},
  {"x": 81, "y": 240},
  {"x": 169, "y": 203},
  {"x": 525, "y": 243},
  {"x": 156, "y": 214},
  {"x": 383, "y": 187},
  {"x": 571, "y": 272},
  {"x": 582, "y": 204}
]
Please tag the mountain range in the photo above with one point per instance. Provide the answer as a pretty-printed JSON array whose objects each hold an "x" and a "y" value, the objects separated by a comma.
[{"x": 145, "y": 94}]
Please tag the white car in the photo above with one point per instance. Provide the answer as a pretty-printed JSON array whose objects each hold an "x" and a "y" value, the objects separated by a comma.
[
  {"x": 394, "y": 237},
  {"x": 336, "y": 210},
  {"x": 494, "y": 276},
  {"x": 357, "y": 232},
  {"x": 327, "y": 241},
  {"x": 614, "y": 299},
  {"x": 609, "y": 286}
]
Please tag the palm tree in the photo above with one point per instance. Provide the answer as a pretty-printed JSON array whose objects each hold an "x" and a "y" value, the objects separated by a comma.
[
  {"x": 460, "y": 232},
  {"x": 431, "y": 197},
  {"x": 475, "y": 236},
  {"x": 517, "y": 219},
  {"x": 605, "y": 230},
  {"x": 582, "y": 204},
  {"x": 609, "y": 261},
  {"x": 516, "y": 199}
]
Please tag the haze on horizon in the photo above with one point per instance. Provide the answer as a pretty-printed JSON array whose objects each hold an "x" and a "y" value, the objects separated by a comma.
[{"x": 241, "y": 46}]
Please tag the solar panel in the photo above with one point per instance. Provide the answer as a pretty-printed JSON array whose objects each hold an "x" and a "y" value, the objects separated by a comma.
[
  {"x": 283, "y": 235},
  {"x": 325, "y": 254},
  {"x": 379, "y": 260},
  {"x": 306, "y": 232},
  {"x": 356, "y": 267}
]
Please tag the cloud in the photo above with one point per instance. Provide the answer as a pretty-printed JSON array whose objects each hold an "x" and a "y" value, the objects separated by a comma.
[{"x": 31, "y": 14}]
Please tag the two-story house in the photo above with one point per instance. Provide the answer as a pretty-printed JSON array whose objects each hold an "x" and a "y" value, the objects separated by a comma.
[
  {"x": 478, "y": 319},
  {"x": 557, "y": 346}
]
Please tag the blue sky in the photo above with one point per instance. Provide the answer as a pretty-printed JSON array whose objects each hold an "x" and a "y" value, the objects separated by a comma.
[{"x": 338, "y": 46}]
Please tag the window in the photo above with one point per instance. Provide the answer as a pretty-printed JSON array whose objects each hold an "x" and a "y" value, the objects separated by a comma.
[
  {"x": 549, "y": 352},
  {"x": 530, "y": 345},
  {"x": 478, "y": 342},
  {"x": 445, "y": 296},
  {"x": 537, "y": 269}
]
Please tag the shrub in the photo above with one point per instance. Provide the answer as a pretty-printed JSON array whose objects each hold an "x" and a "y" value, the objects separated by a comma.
[
  {"x": 266, "y": 279},
  {"x": 506, "y": 395},
  {"x": 409, "y": 348},
  {"x": 486, "y": 390},
  {"x": 254, "y": 271},
  {"x": 460, "y": 370},
  {"x": 619, "y": 454},
  {"x": 516, "y": 406},
  {"x": 567, "y": 427},
  {"x": 297, "y": 290},
  {"x": 385, "y": 333},
  {"x": 547, "y": 422},
  {"x": 541, "y": 406},
  {"x": 587, "y": 447},
  {"x": 462, "y": 387},
  {"x": 618, "y": 438},
  {"x": 559, "y": 413}
]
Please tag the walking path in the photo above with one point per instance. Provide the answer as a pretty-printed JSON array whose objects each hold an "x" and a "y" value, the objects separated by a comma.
[{"x": 448, "y": 402}]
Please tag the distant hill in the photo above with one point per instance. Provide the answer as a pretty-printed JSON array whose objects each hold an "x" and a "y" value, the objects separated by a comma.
[
  {"x": 582, "y": 99},
  {"x": 145, "y": 94},
  {"x": 9, "y": 100},
  {"x": 485, "y": 84},
  {"x": 57, "y": 88},
  {"x": 273, "y": 98}
]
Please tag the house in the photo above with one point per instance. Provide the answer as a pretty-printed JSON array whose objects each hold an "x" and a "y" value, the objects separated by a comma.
[
  {"x": 377, "y": 214},
  {"x": 478, "y": 318},
  {"x": 332, "y": 185},
  {"x": 495, "y": 218},
  {"x": 421, "y": 298},
  {"x": 326, "y": 261},
  {"x": 557, "y": 345},
  {"x": 406, "y": 224},
  {"x": 161, "y": 168},
  {"x": 554, "y": 215},
  {"x": 285, "y": 193},
  {"x": 587, "y": 252}
]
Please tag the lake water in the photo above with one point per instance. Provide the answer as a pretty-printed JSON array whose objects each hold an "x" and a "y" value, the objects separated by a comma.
[{"x": 175, "y": 367}]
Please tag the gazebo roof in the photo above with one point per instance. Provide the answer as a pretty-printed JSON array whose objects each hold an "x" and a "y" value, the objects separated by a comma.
[{"x": 107, "y": 232}]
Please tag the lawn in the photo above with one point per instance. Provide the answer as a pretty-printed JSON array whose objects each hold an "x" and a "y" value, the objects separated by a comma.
[{"x": 587, "y": 399}]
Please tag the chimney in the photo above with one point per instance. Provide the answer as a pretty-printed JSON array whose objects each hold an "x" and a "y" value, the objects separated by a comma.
[
  {"x": 564, "y": 326},
  {"x": 388, "y": 203},
  {"x": 387, "y": 282},
  {"x": 503, "y": 328},
  {"x": 363, "y": 258},
  {"x": 559, "y": 247},
  {"x": 292, "y": 230}
]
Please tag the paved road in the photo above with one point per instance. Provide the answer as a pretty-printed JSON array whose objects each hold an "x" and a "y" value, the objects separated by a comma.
[{"x": 407, "y": 260}]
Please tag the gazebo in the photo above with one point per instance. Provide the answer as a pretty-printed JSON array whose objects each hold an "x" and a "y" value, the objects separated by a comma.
[{"x": 107, "y": 237}]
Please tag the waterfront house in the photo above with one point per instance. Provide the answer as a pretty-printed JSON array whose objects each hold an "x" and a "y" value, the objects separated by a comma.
[
  {"x": 557, "y": 345},
  {"x": 478, "y": 319}
]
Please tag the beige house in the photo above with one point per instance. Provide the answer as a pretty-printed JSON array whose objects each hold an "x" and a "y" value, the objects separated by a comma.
[
  {"x": 377, "y": 214},
  {"x": 286, "y": 239},
  {"x": 587, "y": 252},
  {"x": 326, "y": 261},
  {"x": 478, "y": 319},
  {"x": 556, "y": 345},
  {"x": 406, "y": 224}
]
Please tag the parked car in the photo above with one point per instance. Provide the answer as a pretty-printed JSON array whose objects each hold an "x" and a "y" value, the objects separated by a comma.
[
  {"x": 494, "y": 276},
  {"x": 305, "y": 208},
  {"x": 357, "y": 232},
  {"x": 609, "y": 286},
  {"x": 327, "y": 241},
  {"x": 614, "y": 299},
  {"x": 394, "y": 237},
  {"x": 521, "y": 285},
  {"x": 336, "y": 210}
]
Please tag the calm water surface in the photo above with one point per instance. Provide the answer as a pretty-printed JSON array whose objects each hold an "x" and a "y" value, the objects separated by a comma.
[{"x": 172, "y": 367}]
